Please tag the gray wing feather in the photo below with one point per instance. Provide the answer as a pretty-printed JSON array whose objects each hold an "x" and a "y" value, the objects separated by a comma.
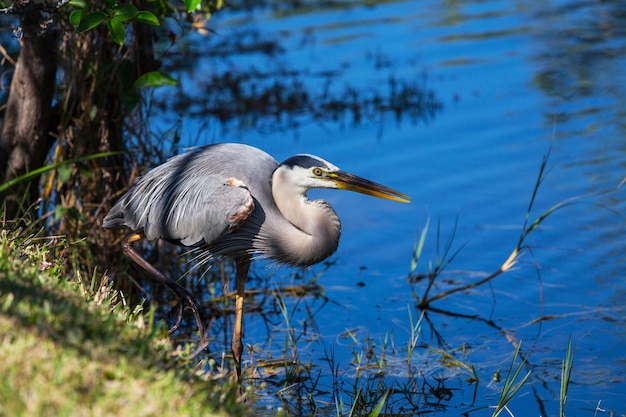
[{"x": 191, "y": 198}]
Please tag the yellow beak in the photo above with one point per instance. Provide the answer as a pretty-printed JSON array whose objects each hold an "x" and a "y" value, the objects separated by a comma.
[{"x": 347, "y": 181}]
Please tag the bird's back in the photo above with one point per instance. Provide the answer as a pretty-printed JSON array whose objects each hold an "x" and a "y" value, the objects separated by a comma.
[{"x": 189, "y": 198}]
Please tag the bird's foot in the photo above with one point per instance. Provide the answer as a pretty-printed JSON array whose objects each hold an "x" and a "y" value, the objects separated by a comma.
[{"x": 187, "y": 300}]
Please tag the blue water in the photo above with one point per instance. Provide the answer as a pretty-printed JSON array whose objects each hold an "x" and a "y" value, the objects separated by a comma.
[{"x": 515, "y": 80}]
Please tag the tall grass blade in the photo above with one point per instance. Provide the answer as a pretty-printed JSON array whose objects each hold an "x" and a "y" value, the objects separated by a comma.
[
  {"x": 442, "y": 261},
  {"x": 353, "y": 412},
  {"x": 510, "y": 388},
  {"x": 36, "y": 172},
  {"x": 528, "y": 228},
  {"x": 416, "y": 329},
  {"x": 566, "y": 373},
  {"x": 418, "y": 247},
  {"x": 446, "y": 259},
  {"x": 379, "y": 407},
  {"x": 540, "y": 179}
]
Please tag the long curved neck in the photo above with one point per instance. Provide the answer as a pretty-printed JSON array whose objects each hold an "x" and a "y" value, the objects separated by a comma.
[{"x": 311, "y": 231}]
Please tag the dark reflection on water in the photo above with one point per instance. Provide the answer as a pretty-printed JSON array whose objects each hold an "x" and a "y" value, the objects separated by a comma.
[
  {"x": 578, "y": 63},
  {"x": 454, "y": 103},
  {"x": 269, "y": 94}
]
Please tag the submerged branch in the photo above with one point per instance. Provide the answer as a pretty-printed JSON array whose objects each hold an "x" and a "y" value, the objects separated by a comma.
[{"x": 425, "y": 304}]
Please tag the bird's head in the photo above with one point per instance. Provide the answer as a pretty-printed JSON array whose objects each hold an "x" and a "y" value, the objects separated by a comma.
[{"x": 309, "y": 171}]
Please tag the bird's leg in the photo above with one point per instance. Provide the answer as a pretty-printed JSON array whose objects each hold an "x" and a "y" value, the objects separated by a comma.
[
  {"x": 185, "y": 298},
  {"x": 242, "y": 265},
  {"x": 179, "y": 316}
]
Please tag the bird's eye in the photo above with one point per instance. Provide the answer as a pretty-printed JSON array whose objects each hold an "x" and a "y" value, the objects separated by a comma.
[{"x": 317, "y": 172}]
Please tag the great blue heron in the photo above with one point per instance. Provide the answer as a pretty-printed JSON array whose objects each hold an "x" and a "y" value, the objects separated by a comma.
[{"x": 237, "y": 201}]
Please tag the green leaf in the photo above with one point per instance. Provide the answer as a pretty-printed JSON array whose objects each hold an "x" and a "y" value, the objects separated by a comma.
[
  {"x": 117, "y": 29},
  {"x": 379, "y": 407},
  {"x": 91, "y": 21},
  {"x": 147, "y": 17},
  {"x": 81, "y": 4},
  {"x": 125, "y": 12},
  {"x": 64, "y": 172},
  {"x": 93, "y": 111},
  {"x": 192, "y": 5},
  {"x": 76, "y": 16},
  {"x": 154, "y": 79},
  {"x": 163, "y": 8},
  {"x": 59, "y": 212}
]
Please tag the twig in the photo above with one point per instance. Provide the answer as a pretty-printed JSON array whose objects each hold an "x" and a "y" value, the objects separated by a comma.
[{"x": 6, "y": 55}]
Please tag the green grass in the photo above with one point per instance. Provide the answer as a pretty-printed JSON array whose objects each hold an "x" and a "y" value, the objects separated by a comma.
[{"x": 69, "y": 349}]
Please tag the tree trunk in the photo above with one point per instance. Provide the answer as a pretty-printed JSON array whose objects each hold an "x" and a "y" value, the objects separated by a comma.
[{"x": 26, "y": 139}]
